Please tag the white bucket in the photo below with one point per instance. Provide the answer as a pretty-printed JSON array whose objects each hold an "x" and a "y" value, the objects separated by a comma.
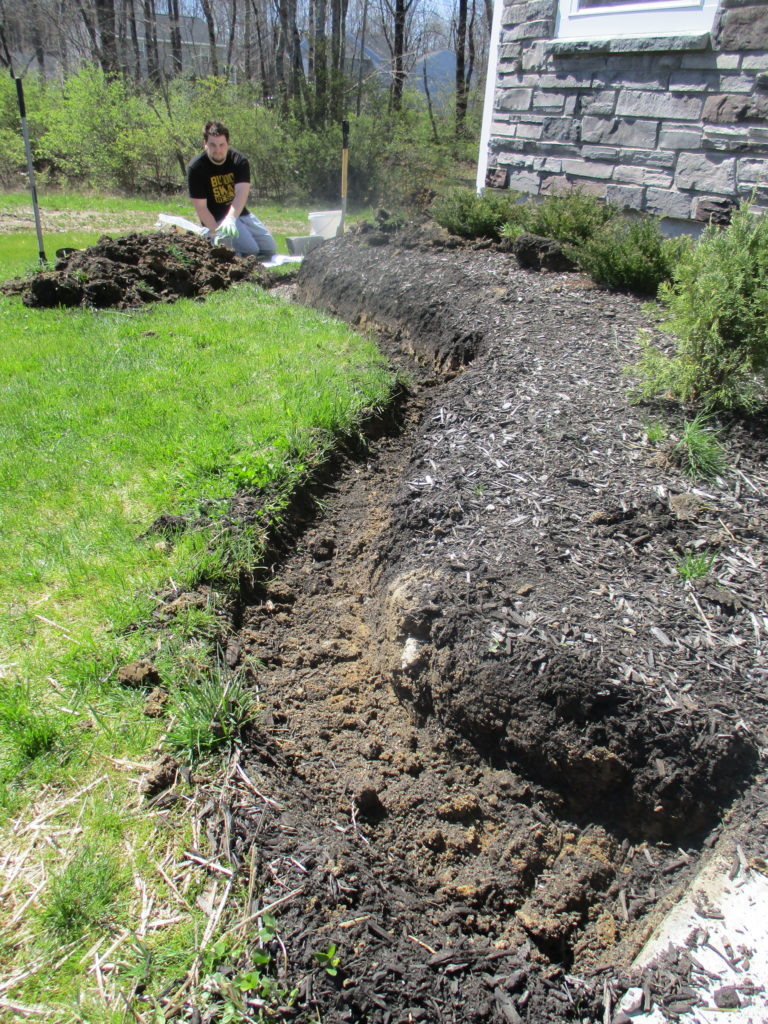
[{"x": 325, "y": 223}]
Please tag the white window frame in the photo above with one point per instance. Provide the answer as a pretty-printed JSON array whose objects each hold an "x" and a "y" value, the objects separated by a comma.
[{"x": 635, "y": 21}]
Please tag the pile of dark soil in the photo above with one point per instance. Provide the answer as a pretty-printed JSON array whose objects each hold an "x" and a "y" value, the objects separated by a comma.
[
  {"x": 127, "y": 272},
  {"x": 501, "y": 730}
]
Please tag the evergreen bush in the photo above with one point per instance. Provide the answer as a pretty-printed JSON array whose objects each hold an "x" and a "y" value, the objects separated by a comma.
[
  {"x": 465, "y": 213},
  {"x": 572, "y": 217},
  {"x": 630, "y": 255},
  {"x": 716, "y": 308}
]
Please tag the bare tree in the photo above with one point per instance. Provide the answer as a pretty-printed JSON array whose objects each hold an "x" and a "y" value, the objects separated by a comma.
[
  {"x": 232, "y": 28},
  {"x": 174, "y": 28},
  {"x": 211, "y": 25},
  {"x": 465, "y": 60}
]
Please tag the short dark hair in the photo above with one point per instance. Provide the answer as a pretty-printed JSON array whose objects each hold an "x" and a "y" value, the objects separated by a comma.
[{"x": 215, "y": 128}]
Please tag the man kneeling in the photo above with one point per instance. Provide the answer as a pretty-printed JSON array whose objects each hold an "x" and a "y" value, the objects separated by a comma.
[{"x": 219, "y": 181}]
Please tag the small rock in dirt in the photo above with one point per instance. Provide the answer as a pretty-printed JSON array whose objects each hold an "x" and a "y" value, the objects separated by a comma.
[
  {"x": 138, "y": 675},
  {"x": 160, "y": 776},
  {"x": 413, "y": 655},
  {"x": 727, "y": 998},
  {"x": 632, "y": 1001}
]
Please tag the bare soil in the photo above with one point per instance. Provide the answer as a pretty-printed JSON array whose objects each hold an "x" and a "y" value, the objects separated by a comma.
[
  {"x": 133, "y": 270},
  {"x": 500, "y": 729}
]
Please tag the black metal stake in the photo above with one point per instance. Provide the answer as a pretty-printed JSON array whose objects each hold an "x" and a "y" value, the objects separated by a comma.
[{"x": 30, "y": 169}]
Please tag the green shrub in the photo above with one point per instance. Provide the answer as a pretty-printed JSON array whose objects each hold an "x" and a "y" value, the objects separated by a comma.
[
  {"x": 630, "y": 255},
  {"x": 98, "y": 133},
  {"x": 569, "y": 217},
  {"x": 463, "y": 212},
  {"x": 716, "y": 307}
]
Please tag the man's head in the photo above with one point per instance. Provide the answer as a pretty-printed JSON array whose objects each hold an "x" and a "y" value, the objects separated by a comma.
[{"x": 216, "y": 141}]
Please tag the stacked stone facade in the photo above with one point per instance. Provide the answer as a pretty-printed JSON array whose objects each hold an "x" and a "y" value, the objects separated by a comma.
[{"x": 672, "y": 126}]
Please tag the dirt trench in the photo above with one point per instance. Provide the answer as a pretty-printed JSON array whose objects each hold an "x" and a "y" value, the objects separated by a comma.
[{"x": 484, "y": 816}]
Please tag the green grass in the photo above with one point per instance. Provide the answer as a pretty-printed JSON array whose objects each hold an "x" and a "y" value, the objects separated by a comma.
[
  {"x": 699, "y": 453},
  {"x": 108, "y": 420},
  {"x": 695, "y": 565},
  {"x": 80, "y": 895}
]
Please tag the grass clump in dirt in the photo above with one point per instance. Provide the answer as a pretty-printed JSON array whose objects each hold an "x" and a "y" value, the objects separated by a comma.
[
  {"x": 209, "y": 712},
  {"x": 716, "y": 309},
  {"x": 695, "y": 565},
  {"x": 699, "y": 452}
]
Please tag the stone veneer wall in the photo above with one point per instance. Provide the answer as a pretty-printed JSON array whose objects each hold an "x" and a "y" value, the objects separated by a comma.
[{"x": 674, "y": 126}]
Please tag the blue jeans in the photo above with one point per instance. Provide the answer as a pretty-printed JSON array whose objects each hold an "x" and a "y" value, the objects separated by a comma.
[{"x": 252, "y": 238}]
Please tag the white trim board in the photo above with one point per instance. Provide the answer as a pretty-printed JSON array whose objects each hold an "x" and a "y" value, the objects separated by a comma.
[{"x": 636, "y": 20}]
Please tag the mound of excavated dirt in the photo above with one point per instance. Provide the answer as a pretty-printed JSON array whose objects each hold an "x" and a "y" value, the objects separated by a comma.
[
  {"x": 500, "y": 729},
  {"x": 126, "y": 272}
]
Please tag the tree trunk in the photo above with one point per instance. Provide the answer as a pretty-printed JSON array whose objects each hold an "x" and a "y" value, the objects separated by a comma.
[
  {"x": 90, "y": 28},
  {"x": 214, "y": 59},
  {"x": 5, "y": 51},
  {"x": 338, "y": 47},
  {"x": 231, "y": 40},
  {"x": 361, "y": 66},
  {"x": 105, "y": 19},
  {"x": 247, "y": 59},
  {"x": 281, "y": 49},
  {"x": 461, "y": 84},
  {"x": 130, "y": 13},
  {"x": 174, "y": 19},
  {"x": 150, "y": 41},
  {"x": 319, "y": 66},
  {"x": 398, "y": 56},
  {"x": 265, "y": 69}
]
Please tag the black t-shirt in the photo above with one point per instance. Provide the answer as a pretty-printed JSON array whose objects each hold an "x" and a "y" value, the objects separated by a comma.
[{"x": 216, "y": 182}]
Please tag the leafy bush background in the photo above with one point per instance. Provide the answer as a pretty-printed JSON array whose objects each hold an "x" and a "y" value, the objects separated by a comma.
[{"x": 97, "y": 132}]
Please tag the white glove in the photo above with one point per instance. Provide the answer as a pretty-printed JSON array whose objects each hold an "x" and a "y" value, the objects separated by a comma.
[{"x": 228, "y": 227}]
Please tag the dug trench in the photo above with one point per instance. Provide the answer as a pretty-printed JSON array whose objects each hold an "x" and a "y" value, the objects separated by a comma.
[{"x": 499, "y": 729}]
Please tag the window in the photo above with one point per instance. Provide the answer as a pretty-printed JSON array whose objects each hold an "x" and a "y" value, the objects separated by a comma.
[{"x": 623, "y": 19}]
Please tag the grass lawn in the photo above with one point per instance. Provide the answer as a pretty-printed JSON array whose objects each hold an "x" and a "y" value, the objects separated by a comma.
[{"x": 107, "y": 421}]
